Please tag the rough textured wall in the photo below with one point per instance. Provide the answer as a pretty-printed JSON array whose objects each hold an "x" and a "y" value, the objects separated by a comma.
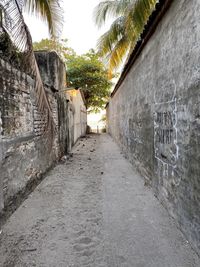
[
  {"x": 25, "y": 153},
  {"x": 79, "y": 114},
  {"x": 53, "y": 73},
  {"x": 52, "y": 69},
  {"x": 155, "y": 114}
]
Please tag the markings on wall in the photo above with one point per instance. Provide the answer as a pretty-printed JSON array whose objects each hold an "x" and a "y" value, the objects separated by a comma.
[
  {"x": 165, "y": 137},
  {"x": 164, "y": 133}
]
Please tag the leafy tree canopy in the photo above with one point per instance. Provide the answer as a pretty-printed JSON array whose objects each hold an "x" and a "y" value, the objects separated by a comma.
[
  {"x": 83, "y": 71},
  {"x": 89, "y": 73},
  {"x": 61, "y": 47}
]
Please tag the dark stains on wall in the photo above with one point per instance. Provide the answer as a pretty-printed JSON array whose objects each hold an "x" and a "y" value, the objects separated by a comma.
[
  {"x": 13, "y": 114},
  {"x": 53, "y": 74},
  {"x": 154, "y": 114},
  {"x": 25, "y": 152},
  {"x": 63, "y": 125},
  {"x": 52, "y": 69}
]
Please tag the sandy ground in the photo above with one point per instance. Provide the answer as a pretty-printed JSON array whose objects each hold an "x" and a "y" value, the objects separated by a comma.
[{"x": 93, "y": 210}]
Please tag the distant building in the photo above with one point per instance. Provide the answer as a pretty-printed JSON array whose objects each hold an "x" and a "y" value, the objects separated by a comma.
[{"x": 78, "y": 114}]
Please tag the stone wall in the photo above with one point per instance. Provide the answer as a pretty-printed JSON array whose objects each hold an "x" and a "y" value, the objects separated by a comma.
[
  {"x": 53, "y": 73},
  {"x": 155, "y": 114},
  {"x": 25, "y": 152}
]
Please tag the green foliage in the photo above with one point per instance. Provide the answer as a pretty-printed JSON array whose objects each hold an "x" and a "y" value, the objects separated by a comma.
[
  {"x": 89, "y": 73},
  {"x": 86, "y": 72},
  {"x": 61, "y": 47},
  {"x": 130, "y": 17}
]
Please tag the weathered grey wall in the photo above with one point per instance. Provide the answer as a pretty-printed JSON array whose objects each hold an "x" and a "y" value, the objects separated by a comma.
[
  {"x": 79, "y": 114},
  {"x": 53, "y": 73},
  {"x": 25, "y": 152},
  {"x": 155, "y": 114},
  {"x": 52, "y": 69}
]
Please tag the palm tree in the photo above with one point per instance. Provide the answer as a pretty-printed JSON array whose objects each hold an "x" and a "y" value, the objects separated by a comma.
[
  {"x": 12, "y": 22},
  {"x": 130, "y": 19}
]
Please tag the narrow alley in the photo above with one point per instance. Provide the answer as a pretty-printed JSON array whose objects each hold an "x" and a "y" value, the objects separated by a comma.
[{"x": 93, "y": 210}]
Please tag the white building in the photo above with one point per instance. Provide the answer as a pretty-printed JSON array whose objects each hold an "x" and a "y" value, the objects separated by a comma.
[{"x": 78, "y": 114}]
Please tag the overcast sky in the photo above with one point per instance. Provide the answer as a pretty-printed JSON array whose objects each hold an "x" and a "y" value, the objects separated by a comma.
[{"x": 79, "y": 27}]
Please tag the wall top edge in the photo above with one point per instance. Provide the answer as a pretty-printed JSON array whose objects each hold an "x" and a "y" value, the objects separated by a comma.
[{"x": 161, "y": 8}]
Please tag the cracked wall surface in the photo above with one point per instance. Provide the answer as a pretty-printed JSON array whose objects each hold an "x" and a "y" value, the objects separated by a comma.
[{"x": 155, "y": 115}]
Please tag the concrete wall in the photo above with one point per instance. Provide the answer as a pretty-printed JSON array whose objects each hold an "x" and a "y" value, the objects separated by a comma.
[
  {"x": 78, "y": 114},
  {"x": 155, "y": 115},
  {"x": 25, "y": 152}
]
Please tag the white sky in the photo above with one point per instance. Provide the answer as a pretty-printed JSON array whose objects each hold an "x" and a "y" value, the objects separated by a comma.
[{"x": 79, "y": 27}]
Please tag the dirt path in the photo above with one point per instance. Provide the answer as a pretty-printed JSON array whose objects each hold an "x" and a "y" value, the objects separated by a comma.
[{"x": 93, "y": 211}]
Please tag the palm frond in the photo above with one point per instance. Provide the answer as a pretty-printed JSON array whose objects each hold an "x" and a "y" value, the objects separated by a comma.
[
  {"x": 131, "y": 18},
  {"x": 118, "y": 53},
  {"x": 4, "y": 18},
  {"x": 138, "y": 15},
  {"x": 49, "y": 11},
  {"x": 114, "y": 45},
  {"x": 108, "y": 40},
  {"x": 108, "y": 9}
]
